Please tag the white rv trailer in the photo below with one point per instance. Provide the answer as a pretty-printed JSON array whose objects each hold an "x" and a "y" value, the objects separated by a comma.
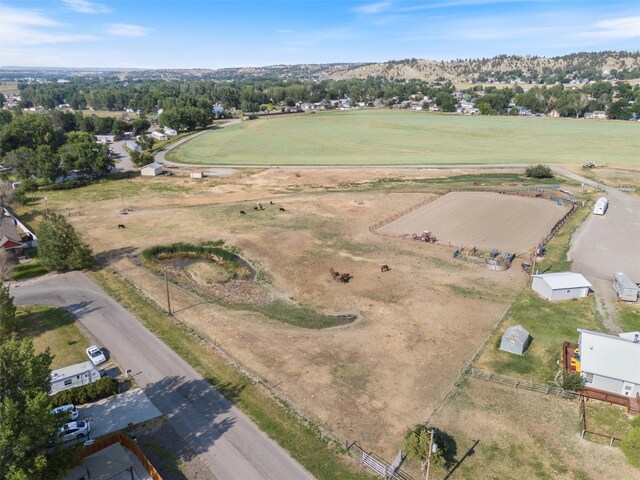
[
  {"x": 624, "y": 287},
  {"x": 601, "y": 206},
  {"x": 73, "y": 376}
]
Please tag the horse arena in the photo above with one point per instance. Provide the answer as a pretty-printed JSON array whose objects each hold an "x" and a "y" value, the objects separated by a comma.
[{"x": 485, "y": 220}]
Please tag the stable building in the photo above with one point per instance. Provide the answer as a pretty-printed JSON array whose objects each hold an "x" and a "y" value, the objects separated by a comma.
[
  {"x": 610, "y": 363},
  {"x": 516, "y": 339},
  {"x": 561, "y": 286},
  {"x": 151, "y": 170}
]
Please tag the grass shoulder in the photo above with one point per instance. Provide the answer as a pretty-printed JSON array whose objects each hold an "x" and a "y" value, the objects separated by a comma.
[{"x": 320, "y": 456}]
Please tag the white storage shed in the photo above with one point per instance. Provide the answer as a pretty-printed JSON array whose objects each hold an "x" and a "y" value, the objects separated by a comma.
[
  {"x": 516, "y": 339},
  {"x": 73, "y": 376},
  {"x": 609, "y": 362},
  {"x": 560, "y": 286},
  {"x": 151, "y": 170},
  {"x": 159, "y": 135}
]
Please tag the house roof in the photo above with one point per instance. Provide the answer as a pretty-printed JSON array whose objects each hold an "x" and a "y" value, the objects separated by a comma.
[
  {"x": 610, "y": 356},
  {"x": 8, "y": 229},
  {"x": 153, "y": 165},
  {"x": 517, "y": 333},
  {"x": 564, "y": 280},
  {"x": 108, "y": 462}
]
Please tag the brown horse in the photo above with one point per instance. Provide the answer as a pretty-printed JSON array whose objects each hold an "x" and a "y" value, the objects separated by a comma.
[{"x": 384, "y": 268}]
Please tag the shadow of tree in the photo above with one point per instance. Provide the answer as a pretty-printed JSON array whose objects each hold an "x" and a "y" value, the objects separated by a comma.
[
  {"x": 110, "y": 256},
  {"x": 35, "y": 323},
  {"x": 80, "y": 309}
]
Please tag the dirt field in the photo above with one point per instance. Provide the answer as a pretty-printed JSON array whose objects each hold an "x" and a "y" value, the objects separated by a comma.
[{"x": 485, "y": 220}]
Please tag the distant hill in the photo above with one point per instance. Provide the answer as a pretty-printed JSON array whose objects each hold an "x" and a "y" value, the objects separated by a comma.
[
  {"x": 579, "y": 66},
  {"x": 576, "y": 66}
]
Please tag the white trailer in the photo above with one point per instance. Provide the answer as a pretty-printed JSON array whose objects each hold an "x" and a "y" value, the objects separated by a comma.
[
  {"x": 625, "y": 288},
  {"x": 600, "y": 208},
  {"x": 73, "y": 376}
]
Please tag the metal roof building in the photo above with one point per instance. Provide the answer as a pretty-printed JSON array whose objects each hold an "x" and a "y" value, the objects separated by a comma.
[
  {"x": 610, "y": 363},
  {"x": 516, "y": 339},
  {"x": 561, "y": 286},
  {"x": 151, "y": 170}
]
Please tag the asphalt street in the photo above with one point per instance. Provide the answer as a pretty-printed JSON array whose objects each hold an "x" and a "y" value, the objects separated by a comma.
[{"x": 219, "y": 433}]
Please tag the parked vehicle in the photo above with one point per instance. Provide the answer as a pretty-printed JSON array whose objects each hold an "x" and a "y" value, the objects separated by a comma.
[
  {"x": 601, "y": 206},
  {"x": 625, "y": 288},
  {"x": 95, "y": 355},
  {"x": 73, "y": 430},
  {"x": 69, "y": 409},
  {"x": 73, "y": 376}
]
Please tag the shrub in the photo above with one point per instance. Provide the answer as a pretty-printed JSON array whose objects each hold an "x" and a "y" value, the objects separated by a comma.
[
  {"x": 572, "y": 381},
  {"x": 539, "y": 171},
  {"x": 631, "y": 446},
  {"x": 416, "y": 443},
  {"x": 103, "y": 388}
]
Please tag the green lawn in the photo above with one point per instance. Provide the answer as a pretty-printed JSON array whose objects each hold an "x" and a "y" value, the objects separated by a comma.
[
  {"x": 56, "y": 329},
  {"x": 28, "y": 270},
  {"x": 381, "y": 137}
]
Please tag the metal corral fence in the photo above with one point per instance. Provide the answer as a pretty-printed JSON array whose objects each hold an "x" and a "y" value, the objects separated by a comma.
[
  {"x": 378, "y": 465},
  {"x": 125, "y": 442},
  {"x": 504, "y": 190},
  {"x": 551, "y": 388}
]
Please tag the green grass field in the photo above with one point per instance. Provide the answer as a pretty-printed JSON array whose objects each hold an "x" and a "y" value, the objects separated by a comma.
[{"x": 392, "y": 137}]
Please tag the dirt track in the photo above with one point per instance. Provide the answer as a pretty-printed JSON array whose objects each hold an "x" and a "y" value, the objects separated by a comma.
[{"x": 483, "y": 219}]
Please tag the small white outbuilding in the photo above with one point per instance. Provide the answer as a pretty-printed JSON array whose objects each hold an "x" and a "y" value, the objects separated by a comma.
[
  {"x": 151, "y": 170},
  {"x": 516, "y": 339},
  {"x": 561, "y": 286}
]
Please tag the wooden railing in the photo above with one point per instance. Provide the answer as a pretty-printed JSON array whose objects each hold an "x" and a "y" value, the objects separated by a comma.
[{"x": 127, "y": 442}]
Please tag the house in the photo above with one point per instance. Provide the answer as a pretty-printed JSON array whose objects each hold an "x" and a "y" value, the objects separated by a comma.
[
  {"x": 170, "y": 132},
  {"x": 73, "y": 376},
  {"x": 561, "y": 286},
  {"x": 609, "y": 362},
  {"x": 516, "y": 339},
  {"x": 15, "y": 237},
  {"x": 158, "y": 135},
  {"x": 151, "y": 170},
  {"x": 599, "y": 114},
  {"x": 133, "y": 146}
]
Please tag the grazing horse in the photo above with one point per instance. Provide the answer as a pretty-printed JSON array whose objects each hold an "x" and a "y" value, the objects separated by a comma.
[
  {"x": 242, "y": 212},
  {"x": 255, "y": 208},
  {"x": 282, "y": 209},
  {"x": 121, "y": 226},
  {"x": 384, "y": 268},
  {"x": 270, "y": 203}
]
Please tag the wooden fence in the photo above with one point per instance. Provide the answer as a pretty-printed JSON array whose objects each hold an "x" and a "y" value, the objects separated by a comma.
[
  {"x": 583, "y": 425},
  {"x": 551, "y": 388},
  {"x": 373, "y": 228},
  {"x": 127, "y": 442}
]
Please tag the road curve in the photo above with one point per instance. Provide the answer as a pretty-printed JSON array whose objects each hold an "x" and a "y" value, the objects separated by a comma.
[{"x": 222, "y": 436}]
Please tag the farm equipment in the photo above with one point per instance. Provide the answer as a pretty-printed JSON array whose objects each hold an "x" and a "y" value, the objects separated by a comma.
[
  {"x": 589, "y": 165},
  {"x": 426, "y": 236}
]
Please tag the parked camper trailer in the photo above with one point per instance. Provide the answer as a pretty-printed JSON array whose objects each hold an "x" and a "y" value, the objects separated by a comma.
[
  {"x": 73, "y": 376},
  {"x": 624, "y": 287},
  {"x": 601, "y": 206}
]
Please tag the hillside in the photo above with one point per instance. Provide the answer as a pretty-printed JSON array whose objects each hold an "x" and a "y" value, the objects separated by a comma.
[{"x": 579, "y": 66}]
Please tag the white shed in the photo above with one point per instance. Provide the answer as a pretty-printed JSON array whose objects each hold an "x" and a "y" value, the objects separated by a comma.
[
  {"x": 170, "y": 132},
  {"x": 159, "y": 135},
  {"x": 561, "y": 286},
  {"x": 198, "y": 174},
  {"x": 609, "y": 362},
  {"x": 516, "y": 339},
  {"x": 151, "y": 170}
]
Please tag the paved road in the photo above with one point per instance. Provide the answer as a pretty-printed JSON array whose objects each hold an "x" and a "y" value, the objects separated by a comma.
[
  {"x": 607, "y": 244},
  {"x": 224, "y": 438}
]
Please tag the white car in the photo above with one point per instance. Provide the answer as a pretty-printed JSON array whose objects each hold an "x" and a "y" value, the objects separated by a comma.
[
  {"x": 95, "y": 355},
  {"x": 70, "y": 410},
  {"x": 72, "y": 430}
]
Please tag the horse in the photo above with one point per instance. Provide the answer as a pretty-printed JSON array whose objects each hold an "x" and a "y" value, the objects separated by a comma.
[
  {"x": 384, "y": 268},
  {"x": 242, "y": 212},
  {"x": 121, "y": 226},
  {"x": 282, "y": 209}
]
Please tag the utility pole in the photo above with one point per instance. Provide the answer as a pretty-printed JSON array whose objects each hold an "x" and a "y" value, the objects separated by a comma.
[
  {"x": 166, "y": 283},
  {"x": 46, "y": 206},
  {"x": 430, "y": 451},
  {"x": 122, "y": 197}
]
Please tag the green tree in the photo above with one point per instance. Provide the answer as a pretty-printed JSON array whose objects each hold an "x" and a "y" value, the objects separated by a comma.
[
  {"x": 7, "y": 314},
  {"x": 416, "y": 443},
  {"x": 538, "y": 171},
  {"x": 26, "y": 424},
  {"x": 60, "y": 247},
  {"x": 141, "y": 159},
  {"x": 631, "y": 446}
]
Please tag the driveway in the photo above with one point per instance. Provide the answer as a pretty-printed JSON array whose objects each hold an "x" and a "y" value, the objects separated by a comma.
[
  {"x": 115, "y": 413},
  {"x": 220, "y": 435},
  {"x": 607, "y": 244}
]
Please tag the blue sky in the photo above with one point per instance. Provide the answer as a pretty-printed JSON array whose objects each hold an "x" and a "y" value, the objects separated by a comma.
[{"x": 219, "y": 33}]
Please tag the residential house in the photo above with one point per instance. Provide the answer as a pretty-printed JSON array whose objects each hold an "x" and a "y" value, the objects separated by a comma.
[
  {"x": 170, "y": 132},
  {"x": 158, "y": 136},
  {"x": 15, "y": 237}
]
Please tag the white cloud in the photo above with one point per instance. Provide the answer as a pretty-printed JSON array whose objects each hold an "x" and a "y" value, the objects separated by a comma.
[
  {"x": 127, "y": 30},
  {"x": 83, "y": 6},
  {"x": 616, "y": 28},
  {"x": 372, "y": 8},
  {"x": 27, "y": 28}
]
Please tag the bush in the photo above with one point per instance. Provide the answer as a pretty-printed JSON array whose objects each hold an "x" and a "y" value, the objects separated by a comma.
[
  {"x": 539, "y": 171},
  {"x": 631, "y": 446},
  {"x": 572, "y": 381},
  {"x": 186, "y": 248},
  {"x": 103, "y": 388},
  {"x": 416, "y": 443}
]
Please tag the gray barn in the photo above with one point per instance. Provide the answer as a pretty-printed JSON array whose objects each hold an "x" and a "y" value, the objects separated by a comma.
[
  {"x": 515, "y": 340},
  {"x": 560, "y": 286}
]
